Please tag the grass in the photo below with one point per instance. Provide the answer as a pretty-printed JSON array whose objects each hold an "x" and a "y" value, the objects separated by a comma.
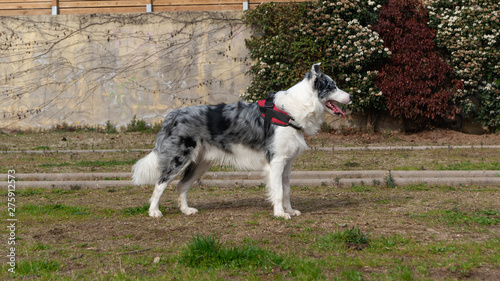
[
  {"x": 208, "y": 252},
  {"x": 469, "y": 165},
  {"x": 466, "y": 159},
  {"x": 98, "y": 163},
  {"x": 131, "y": 211},
  {"x": 343, "y": 234},
  {"x": 54, "y": 210},
  {"x": 34, "y": 268},
  {"x": 457, "y": 217},
  {"x": 352, "y": 237},
  {"x": 44, "y": 147}
]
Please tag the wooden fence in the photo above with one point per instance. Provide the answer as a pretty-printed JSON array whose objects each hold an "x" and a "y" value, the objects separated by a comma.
[{"x": 67, "y": 7}]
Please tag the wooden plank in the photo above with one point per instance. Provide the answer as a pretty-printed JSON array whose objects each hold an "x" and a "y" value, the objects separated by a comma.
[
  {"x": 97, "y": 1},
  {"x": 22, "y": 6},
  {"x": 198, "y": 8},
  {"x": 103, "y": 10},
  {"x": 98, "y": 4},
  {"x": 43, "y": 7},
  {"x": 25, "y": 12},
  {"x": 196, "y": 2},
  {"x": 21, "y": 1}
]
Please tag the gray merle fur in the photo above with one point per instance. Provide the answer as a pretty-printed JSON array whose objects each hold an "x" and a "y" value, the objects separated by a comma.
[{"x": 219, "y": 125}]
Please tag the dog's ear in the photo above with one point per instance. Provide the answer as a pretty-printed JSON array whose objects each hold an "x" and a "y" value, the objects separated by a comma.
[
  {"x": 314, "y": 72},
  {"x": 315, "y": 69}
]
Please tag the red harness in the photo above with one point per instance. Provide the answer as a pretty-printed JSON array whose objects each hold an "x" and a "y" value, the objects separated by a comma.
[{"x": 272, "y": 114}]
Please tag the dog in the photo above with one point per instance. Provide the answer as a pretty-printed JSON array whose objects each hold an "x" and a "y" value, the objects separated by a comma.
[{"x": 240, "y": 134}]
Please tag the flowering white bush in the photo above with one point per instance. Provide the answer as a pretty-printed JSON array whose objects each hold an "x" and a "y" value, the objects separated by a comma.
[
  {"x": 336, "y": 33},
  {"x": 468, "y": 31}
]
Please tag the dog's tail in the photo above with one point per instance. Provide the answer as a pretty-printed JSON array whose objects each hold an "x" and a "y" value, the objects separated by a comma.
[{"x": 146, "y": 170}]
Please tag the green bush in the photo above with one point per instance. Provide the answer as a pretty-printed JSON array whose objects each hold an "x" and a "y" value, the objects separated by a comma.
[
  {"x": 291, "y": 37},
  {"x": 109, "y": 128},
  {"x": 468, "y": 32},
  {"x": 137, "y": 125}
]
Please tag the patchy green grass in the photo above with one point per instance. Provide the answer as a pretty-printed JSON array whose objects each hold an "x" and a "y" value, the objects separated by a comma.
[
  {"x": 457, "y": 217},
  {"x": 469, "y": 165},
  {"x": 347, "y": 238},
  {"x": 98, "y": 163},
  {"x": 208, "y": 252},
  {"x": 349, "y": 233},
  {"x": 42, "y": 267},
  {"x": 131, "y": 211},
  {"x": 43, "y": 147},
  {"x": 463, "y": 159},
  {"x": 56, "y": 210}
]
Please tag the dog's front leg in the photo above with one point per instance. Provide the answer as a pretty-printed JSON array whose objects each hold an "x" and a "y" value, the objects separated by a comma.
[
  {"x": 275, "y": 188},
  {"x": 286, "y": 190}
]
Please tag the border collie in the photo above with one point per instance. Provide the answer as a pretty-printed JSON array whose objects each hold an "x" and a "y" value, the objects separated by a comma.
[{"x": 191, "y": 138}]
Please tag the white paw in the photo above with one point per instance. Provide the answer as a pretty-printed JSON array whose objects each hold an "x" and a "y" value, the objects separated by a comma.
[
  {"x": 155, "y": 213},
  {"x": 293, "y": 212},
  {"x": 285, "y": 216},
  {"x": 189, "y": 211}
]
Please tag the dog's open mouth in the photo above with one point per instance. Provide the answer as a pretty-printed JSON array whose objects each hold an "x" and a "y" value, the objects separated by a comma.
[{"x": 334, "y": 109}]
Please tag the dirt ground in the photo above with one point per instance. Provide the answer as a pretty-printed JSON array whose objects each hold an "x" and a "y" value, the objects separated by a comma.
[
  {"x": 85, "y": 231},
  {"x": 441, "y": 137},
  {"x": 235, "y": 215},
  {"x": 94, "y": 140}
]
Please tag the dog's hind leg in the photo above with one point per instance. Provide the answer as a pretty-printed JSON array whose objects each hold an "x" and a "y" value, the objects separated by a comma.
[
  {"x": 286, "y": 190},
  {"x": 173, "y": 167},
  {"x": 154, "y": 210},
  {"x": 193, "y": 172}
]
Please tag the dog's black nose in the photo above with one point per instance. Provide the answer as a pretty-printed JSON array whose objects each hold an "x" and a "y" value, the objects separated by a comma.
[{"x": 350, "y": 97}]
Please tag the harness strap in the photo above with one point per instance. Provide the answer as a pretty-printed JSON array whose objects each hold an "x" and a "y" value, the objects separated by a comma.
[{"x": 272, "y": 114}]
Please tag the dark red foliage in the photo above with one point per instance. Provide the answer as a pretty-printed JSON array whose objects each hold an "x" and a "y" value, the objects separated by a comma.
[{"x": 416, "y": 81}]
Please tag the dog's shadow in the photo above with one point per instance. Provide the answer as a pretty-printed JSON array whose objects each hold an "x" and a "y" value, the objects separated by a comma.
[{"x": 303, "y": 204}]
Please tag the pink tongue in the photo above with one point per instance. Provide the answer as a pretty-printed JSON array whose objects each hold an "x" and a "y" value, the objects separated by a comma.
[{"x": 336, "y": 109}]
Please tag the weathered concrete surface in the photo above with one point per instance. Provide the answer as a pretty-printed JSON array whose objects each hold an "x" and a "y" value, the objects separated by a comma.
[
  {"x": 298, "y": 178},
  {"x": 88, "y": 69},
  {"x": 338, "y": 148}
]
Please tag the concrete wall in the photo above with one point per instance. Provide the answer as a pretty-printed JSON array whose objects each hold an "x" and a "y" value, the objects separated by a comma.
[{"x": 88, "y": 69}]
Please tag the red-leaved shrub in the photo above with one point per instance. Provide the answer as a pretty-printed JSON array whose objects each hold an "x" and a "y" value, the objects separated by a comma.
[{"x": 416, "y": 81}]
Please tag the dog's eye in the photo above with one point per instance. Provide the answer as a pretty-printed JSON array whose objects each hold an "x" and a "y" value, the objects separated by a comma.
[{"x": 332, "y": 86}]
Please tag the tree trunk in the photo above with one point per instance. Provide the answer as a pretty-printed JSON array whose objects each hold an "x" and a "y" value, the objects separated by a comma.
[{"x": 371, "y": 121}]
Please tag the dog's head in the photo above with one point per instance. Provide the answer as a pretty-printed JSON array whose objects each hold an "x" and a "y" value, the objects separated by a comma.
[{"x": 328, "y": 92}]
